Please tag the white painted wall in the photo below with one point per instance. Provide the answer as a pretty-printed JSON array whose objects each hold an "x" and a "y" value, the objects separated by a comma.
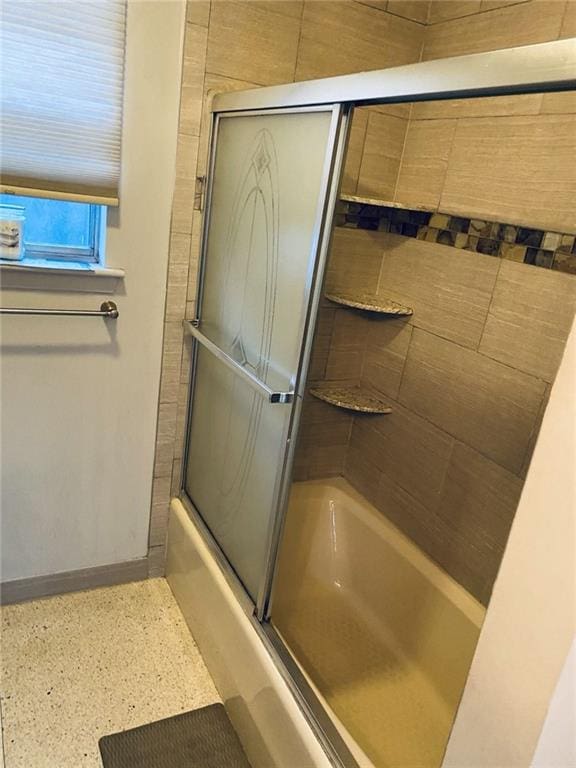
[
  {"x": 531, "y": 620},
  {"x": 79, "y": 396},
  {"x": 557, "y": 743}
]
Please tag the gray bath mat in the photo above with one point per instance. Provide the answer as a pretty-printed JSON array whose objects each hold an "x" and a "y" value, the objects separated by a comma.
[{"x": 203, "y": 738}]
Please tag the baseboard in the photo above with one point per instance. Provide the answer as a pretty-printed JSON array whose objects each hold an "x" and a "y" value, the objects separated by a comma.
[{"x": 19, "y": 590}]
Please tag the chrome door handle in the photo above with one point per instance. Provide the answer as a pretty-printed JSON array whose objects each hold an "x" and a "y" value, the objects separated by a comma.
[{"x": 263, "y": 389}]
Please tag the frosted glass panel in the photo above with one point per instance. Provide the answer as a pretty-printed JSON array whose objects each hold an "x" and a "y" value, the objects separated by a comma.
[{"x": 266, "y": 190}]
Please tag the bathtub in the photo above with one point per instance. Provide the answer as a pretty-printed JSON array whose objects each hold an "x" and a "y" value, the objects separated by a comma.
[
  {"x": 384, "y": 634},
  {"x": 272, "y": 728}
]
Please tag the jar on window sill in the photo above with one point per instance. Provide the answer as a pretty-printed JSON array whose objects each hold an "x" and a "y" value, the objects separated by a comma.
[{"x": 11, "y": 232}]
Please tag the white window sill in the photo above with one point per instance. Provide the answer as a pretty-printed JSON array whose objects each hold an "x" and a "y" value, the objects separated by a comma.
[{"x": 50, "y": 274}]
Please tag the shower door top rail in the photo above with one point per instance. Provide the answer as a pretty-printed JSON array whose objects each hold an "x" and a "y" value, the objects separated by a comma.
[
  {"x": 527, "y": 69},
  {"x": 271, "y": 395}
]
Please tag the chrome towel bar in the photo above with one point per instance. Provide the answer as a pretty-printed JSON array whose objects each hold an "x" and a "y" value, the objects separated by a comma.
[{"x": 107, "y": 309}]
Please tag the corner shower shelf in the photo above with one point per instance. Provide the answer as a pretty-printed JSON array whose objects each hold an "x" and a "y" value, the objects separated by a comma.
[
  {"x": 371, "y": 303},
  {"x": 350, "y": 398},
  {"x": 381, "y": 203}
]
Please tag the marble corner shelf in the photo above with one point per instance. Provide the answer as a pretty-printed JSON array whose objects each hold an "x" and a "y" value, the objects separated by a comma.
[
  {"x": 350, "y": 398},
  {"x": 370, "y": 303},
  {"x": 381, "y": 203}
]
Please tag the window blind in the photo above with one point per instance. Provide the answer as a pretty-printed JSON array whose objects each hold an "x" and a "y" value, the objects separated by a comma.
[{"x": 62, "y": 67}]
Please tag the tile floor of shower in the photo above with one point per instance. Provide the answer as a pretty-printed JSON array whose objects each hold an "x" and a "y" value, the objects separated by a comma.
[{"x": 79, "y": 666}]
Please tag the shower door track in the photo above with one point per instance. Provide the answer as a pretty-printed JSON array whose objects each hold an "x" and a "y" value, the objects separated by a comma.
[{"x": 541, "y": 68}]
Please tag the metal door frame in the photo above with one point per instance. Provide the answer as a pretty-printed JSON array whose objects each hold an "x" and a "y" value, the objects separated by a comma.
[
  {"x": 334, "y": 153},
  {"x": 541, "y": 68}
]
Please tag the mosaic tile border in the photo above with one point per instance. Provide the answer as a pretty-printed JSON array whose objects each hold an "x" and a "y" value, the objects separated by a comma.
[{"x": 551, "y": 250}]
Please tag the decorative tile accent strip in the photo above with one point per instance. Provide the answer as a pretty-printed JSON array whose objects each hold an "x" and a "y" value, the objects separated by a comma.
[{"x": 551, "y": 250}]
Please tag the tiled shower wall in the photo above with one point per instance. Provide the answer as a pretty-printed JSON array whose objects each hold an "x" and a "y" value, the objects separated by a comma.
[
  {"x": 425, "y": 160},
  {"x": 468, "y": 375},
  {"x": 230, "y": 46}
]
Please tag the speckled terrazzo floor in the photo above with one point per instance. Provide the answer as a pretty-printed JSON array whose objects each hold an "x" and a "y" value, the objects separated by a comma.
[{"x": 79, "y": 666}]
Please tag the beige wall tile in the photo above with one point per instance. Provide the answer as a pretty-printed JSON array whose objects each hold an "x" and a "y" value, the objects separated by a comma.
[
  {"x": 156, "y": 561},
  {"x": 183, "y": 205},
  {"x": 442, "y": 10},
  {"x": 321, "y": 345},
  {"x": 323, "y": 439},
  {"x": 381, "y": 5},
  {"x": 323, "y": 424},
  {"x": 253, "y": 41},
  {"x": 346, "y": 353},
  {"x": 478, "y": 504},
  {"x": 175, "y": 483},
  {"x": 191, "y": 109},
  {"x": 355, "y": 259},
  {"x": 183, "y": 201},
  {"x": 449, "y": 289},
  {"x": 165, "y": 433},
  {"x": 424, "y": 162},
  {"x": 441, "y": 540},
  {"x": 186, "y": 152},
  {"x": 171, "y": 362},
  {"x": 396, "y": 110},
  {"x": 491, "y": 106},
  {"x": 194, "y": 60},
  {"x": 198, "y": 12},
  {"x": 569, "y": 21},
  {"x": 186, "y": 359},
  {"x": 381, "y": 156},
  {"x": 490, "y": 406},
  {"x": 417, "y": 10},
  {"x": 354, "y": 151},
  {"x": 554, "y": 103},
  {"x": 180, "y": 423},
  {"x": 535, "y": 22},
  {"x": 177, "y": 277},
  {"x": 159, "y": 510},
  {"x": 529, "y": 319},
  {"x": 193, "y": 67},
  {"x": 385, "y": 355},
  {"x": 343, "y": 36},
  {"x": 291, "y": 8},
  {"x": 535, "y": 433},
  {"x": 327, "y": 461},
  {"x": 360, "y": 471},
  {"x": 406, "y": 447},
  {"x": 421, "y": 524},
  {"x": 194, "y": 261},
  {"x": 491, "y": 5},
  {"x": 510, "y": 170}
]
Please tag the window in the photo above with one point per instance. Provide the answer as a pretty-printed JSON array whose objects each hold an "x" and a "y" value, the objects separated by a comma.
[
  {"x": 59, "y": 229},
  {"x": 61, "y": 126}
]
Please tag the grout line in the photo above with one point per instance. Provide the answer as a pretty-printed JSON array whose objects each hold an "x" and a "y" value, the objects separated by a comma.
[
  {"x": 489, "y": 308},
  {"x": 479, "y": 12},
  {"x": 367, "y": 113},
  {"x": 448, "y": 158},
  {"x": 459, "y": 439},
  {"x": 297, "y": 44},
  {"x": 401, "y": 159},
  {"x": 411, "y": 325}
]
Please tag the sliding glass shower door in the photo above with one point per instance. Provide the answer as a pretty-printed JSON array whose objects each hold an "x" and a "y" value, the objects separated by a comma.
[{"x": 269, "y": 181}]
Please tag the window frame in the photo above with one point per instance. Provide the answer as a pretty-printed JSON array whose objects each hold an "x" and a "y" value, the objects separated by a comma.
[{"x": 93, "y": 254}]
